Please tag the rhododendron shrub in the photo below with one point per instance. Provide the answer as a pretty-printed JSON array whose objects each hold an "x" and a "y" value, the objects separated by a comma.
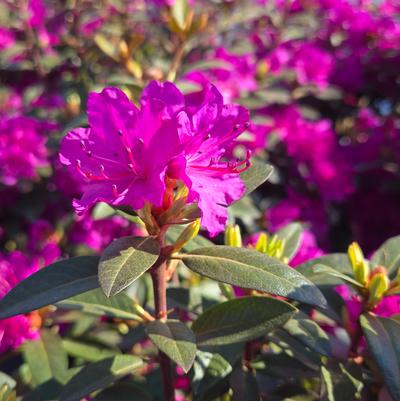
[{"x": 199, "y": 200}]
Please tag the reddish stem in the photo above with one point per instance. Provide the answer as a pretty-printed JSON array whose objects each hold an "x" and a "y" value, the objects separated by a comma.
[{"x": 160, "y": 301}]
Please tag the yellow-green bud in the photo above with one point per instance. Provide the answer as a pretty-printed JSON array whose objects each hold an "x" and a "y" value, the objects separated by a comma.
[
  {"x": 378, "y": 285},
  {"x": 359, "y": 264},
  {"x": 227, "y": 290},
  {"x": 262, "y": 243},
  {"x": 187, "y": 234},
  {"x": 233, "y": 236}
]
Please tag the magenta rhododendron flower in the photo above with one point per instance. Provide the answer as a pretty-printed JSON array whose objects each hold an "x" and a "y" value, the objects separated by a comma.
[
  {"x": 127, "y": 153},
  {"x": 387, "y": 307},
  {"x": 238, "y": 68},
  {"x": 7, "y": 38},
  {"x": 22, "y": 148},
  {"x": 15, "y": 330},
  {"x": 207, "y": 129}
]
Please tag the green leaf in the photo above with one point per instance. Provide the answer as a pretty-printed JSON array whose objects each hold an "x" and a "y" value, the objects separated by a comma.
[
  {"x": 210, "y": 378},
  {"x": 255, "y": 175},
  {"x": 51, "y": 389},
  {"x": 248, "y": 268},
  {"x": 291, "y": 234},
  {"x": 175, "y": 339},
  {"x": 206, "y": 65},
  {"x": 388, "y": 255},
  {"x": 240, "y": 320},
  {"x": 309, "y": 333},
  {"x": 337, "y": 261},
  {"x": 96, "y": 303},
  {"x": 125, "y": 260},
  {"x": 383, "y": 338},
  {"x": 54, "y": 283},
  {"x": 87, "y": 351},
  {"x": 244, "y": 385},
  {"x": 197, "y": 242},
  {"x": 338, "y": 383},
  {"x": 102, "y": 210},
  {"x": 99, "y": 375},
  {"x": 326, "y": 270},
  {"x": 123, "y": 392},
  {"x": 46, "y": 358},
  {"x": 179, "y": 11}
]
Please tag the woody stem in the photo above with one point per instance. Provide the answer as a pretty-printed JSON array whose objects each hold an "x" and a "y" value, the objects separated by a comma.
[{"x": 160, "y": 300}]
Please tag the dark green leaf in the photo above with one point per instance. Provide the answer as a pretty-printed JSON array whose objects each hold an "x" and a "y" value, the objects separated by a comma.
[
  {"x": 309, "y": 333},
  {"x": 54, "y": 283},
  {"x": 383, "y": 338},
  {"x": 175, "y": 339},
  {"x": 210, "y": 375},
  {"x": 125, "y": 260},
  {"x": 51, "y": 389},
  {"x": 291, "y": 234},
  {"x": 46, "y": 358},
  {"x": 123, "y": 392},
  {"x": 244, "y": 385},
  {"x": 255, "y": 175},
  {"x": 388, "y": 255},
  {"x": 338, "y": 384},
  {"x": 99, "y": 375},
  {"x": 248, "y": 268},
  {"x": 96, "y": 303},
  {"x": 240, "y": 320}
]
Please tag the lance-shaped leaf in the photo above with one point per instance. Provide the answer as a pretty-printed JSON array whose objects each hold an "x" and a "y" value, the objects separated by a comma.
[
  {"x": 255, "y": 175},
  {"x": 96, "y": 303},
  {"x": 240, "y": 320},
  {"x": 291, "y": 234},
  {"x": 383, "y": 338},
  {"x": 46, "y": 357},
  {"x": 388, "y": 255},
  {"x": 124, "y": 261},
  {"x": 248, "y": 268},
  {"x": 244, "y": 385},
  {"x": 309, "y": 333},
  {"x": 88, "y": 351},
  {"x": 175, "y": 339},
  {"x": 99, "y": 375},
  {"x": 323, "y": 269},
  {"x": 123, "y": 392},
  {"x": 54, "y": 283}
]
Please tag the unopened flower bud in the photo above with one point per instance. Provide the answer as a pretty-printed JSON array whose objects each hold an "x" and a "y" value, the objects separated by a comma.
[
  {"x": 262, "y": 243},
  {"x": 187, "y": 234},
  {"x": 359, "y": 264},
  {"x": 233, "y": 236},
  {"x": 227, "y": 290},
  {"x": 378, "y": 285}
]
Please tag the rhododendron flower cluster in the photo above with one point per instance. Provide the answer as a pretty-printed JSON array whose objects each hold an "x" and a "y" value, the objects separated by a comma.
[
  {"x": 22, "y": 148},
  {"x": 128, "y": 154},
  {"x": 15, "y": 330}
]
